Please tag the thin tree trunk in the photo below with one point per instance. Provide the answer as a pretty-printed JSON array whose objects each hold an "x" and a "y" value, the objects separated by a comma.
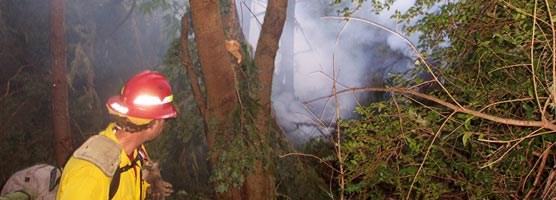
[
  {"x": 267, "y": 46},
  {"x": 261, "y": 185},
  {"x": 62, "y": 136},
  {"x": 186, "y": 61}
]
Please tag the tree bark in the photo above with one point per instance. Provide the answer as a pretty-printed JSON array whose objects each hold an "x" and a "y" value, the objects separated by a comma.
[
  {"x": 262, "y": 183},
  {"x": 186, "y": 61},
  {"x": 215, "y": 62},
  {"x": 222, "y": 87},
  {"x": 267, "y": 47},
  {"x": 218, "y": 74},
  {"x": 62, "y": 136}
]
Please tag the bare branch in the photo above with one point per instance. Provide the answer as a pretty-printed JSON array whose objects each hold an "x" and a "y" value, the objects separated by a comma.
[
  {"x": 10, "y": 80},
  {"x": 544, "y": 123}
]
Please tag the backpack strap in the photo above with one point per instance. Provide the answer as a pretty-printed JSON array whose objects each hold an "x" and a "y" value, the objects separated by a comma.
[
  {"x": 115, "y": 183},
  {"x": 101, "y": 151},
  {"x": 54, "y": 178}
]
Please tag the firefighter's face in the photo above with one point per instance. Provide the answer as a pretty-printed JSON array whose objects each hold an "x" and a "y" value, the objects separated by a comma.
[{"x": 155, "y": 130}]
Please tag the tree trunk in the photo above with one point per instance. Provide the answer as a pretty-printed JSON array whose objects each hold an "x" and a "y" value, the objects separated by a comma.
[
  {"x": 216, "y": 66},
  {"x": 60, "y": 118},
  {"x": 267, "y": 46},
  {"x": 222, "y": 100}
]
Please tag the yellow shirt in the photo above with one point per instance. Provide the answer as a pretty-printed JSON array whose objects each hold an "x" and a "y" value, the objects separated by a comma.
[{"x": 83, "y": 180}]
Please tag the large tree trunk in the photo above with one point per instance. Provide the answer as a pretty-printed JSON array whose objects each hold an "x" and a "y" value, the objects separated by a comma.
[
  {"x": 60, "y": 116},
  {"x": 221, "y": 97},
  {"x": 215, "y": 62},
  {"x": 222, "y": 100}
]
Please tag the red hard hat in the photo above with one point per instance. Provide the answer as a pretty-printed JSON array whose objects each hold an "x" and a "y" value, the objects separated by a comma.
[{"x": 146, "y": 95}]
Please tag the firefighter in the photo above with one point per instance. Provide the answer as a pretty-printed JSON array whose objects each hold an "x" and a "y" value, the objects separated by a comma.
[{"x": 109, "y": 165}]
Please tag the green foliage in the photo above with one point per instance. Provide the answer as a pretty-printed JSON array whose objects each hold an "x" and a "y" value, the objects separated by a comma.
[
  {"x": 492, "y": 57},
  {"x": 376, "y": 5},
  {"x": 25, "y": 124},
  {"x": 384, "y": 149},
  {"x": 171, "y": 13},
  {"x": 181, "y": 148},
  {"x": 25, "y": 114}
]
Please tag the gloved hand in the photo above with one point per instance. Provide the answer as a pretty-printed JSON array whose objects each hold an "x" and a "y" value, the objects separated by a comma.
[{"x": 158, "y": 189}]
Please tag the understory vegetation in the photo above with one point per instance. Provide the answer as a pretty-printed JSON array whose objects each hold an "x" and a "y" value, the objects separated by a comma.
[{"x": 481, "y": 128}]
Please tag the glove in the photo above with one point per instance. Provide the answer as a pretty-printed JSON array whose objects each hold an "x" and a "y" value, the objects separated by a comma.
[{"x": 158, "y": 189}]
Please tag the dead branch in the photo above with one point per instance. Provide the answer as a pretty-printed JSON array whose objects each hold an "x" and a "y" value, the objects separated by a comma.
[
  {"x": 543, "y": 158},
  {"x": 11, "y": 79}
]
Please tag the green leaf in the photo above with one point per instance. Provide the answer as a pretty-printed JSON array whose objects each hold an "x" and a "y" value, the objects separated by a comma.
[
  {"x": 412, "y": 144},
  {"x": 408, "y": 171},
  {"x": 466, "y": 137}
]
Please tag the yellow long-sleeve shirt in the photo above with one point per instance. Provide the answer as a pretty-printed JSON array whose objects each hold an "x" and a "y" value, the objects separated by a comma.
[{"x": 81, "y": 179}]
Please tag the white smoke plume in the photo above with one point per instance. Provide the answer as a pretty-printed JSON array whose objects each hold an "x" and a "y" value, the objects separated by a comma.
[{"x": 354, "y": 54}]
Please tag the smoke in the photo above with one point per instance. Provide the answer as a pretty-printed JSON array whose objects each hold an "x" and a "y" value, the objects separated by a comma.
[{"x": 317, "y": 54}]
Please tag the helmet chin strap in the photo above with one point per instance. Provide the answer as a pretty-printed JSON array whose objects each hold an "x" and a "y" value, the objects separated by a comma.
[{"x": 123, "y": 124}]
